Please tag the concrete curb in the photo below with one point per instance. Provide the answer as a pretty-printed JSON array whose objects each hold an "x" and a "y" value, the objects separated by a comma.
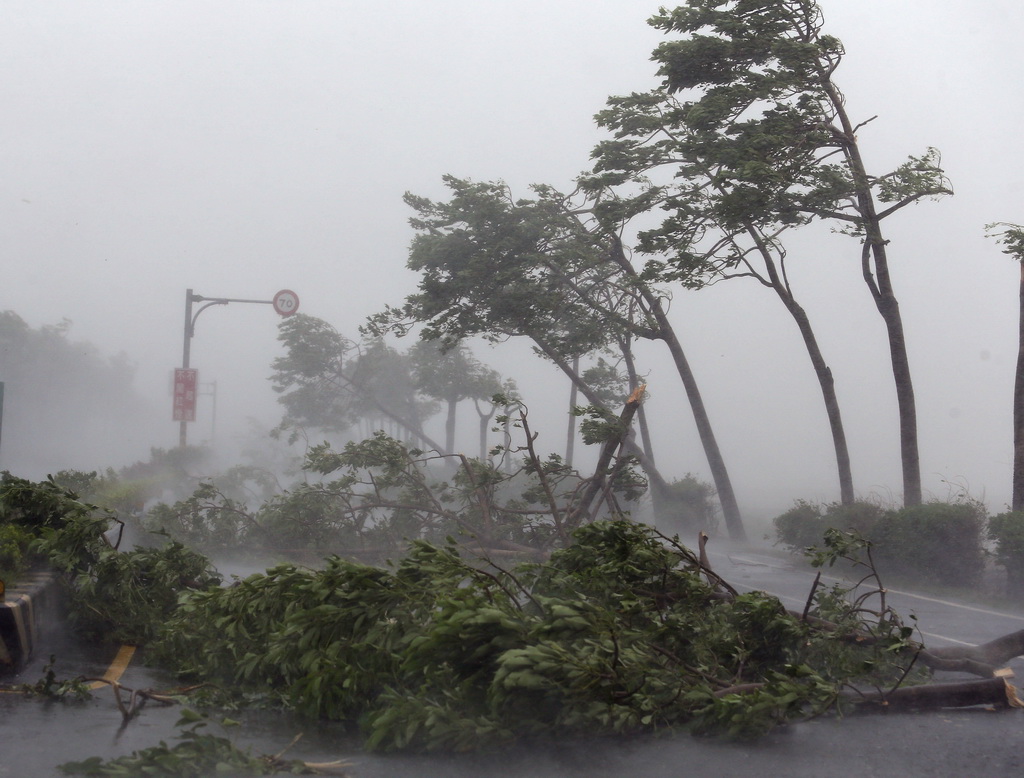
[{"x": 27, "y": 607}]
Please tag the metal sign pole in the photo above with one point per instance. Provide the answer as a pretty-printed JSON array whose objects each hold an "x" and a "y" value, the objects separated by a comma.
[
  {"x": 285, "y": 303},
  {"x": 185, "y": 354}
]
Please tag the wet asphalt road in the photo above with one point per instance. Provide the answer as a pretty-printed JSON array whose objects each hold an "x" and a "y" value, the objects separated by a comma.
[{"x": 36, "y": 736}]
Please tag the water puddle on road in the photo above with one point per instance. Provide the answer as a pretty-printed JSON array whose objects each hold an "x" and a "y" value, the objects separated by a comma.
[{"x": 37, "y": 735}]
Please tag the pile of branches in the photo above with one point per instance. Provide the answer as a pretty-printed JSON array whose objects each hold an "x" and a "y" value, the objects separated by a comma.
[{"x": 624, "y": 631}]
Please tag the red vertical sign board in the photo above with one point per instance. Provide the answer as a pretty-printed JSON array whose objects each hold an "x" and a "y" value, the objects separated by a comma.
[{"x": 186, "y": 381}]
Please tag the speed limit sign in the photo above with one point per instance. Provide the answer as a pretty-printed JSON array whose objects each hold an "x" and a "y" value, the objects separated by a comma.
[{"x": 286, "y": 302}]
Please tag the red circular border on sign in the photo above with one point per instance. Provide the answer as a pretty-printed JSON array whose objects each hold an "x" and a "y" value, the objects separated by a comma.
[{"x": 277, "y": 299}]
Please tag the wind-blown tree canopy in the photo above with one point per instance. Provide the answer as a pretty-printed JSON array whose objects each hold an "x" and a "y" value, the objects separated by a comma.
[
  {"x": 311, "y": 377},
  {"x": 327, "y": 382},
  {"x": 452, "y": 375},
  {"x": 497, "y": 267},
  {"x": 747, "y": 136},
  {"x": 390, "y": 391}
]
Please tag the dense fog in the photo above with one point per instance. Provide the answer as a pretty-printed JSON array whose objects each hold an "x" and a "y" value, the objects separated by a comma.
[{"x": 238, "y": 150}]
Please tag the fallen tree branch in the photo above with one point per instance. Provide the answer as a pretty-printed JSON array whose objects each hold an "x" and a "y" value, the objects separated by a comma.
[
  {"x": 980, "y": 660},
  {"x": 996, "y": 691},
  {"x": 934, "y": 696}
]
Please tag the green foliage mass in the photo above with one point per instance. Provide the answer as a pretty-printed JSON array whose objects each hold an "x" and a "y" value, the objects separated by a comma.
[
  {"x": 14, "y": 551},
  {"x": 692, "y": 502},
  {"x": 804, "y": 525},
  {"x": 114, "y": 595},
  {"x": 935, "y": 542},
  {"x": 618, "y": 633}
]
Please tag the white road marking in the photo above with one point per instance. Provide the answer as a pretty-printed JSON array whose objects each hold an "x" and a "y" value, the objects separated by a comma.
[
  {"x": 804, "y": 602},
  {"x": 924, "y": 598}
]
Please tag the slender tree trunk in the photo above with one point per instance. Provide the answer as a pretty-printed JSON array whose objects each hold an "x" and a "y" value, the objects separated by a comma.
[
  {"x": 910, "y": 454},
  {"x": 483, "y": 437},
  {"x": 449, "y": 427},
  {"x": 880, "y": 284},
  {"x": 828, "y": 393},
  {"x": 570, "y": 435},
  {"x": 821, "y": 369},
  {"x": 889, "y": 308},
  {"x": 719, "y": 472},
  {"x": 1018, "y": 410},
  {"x": 485, "y": 419}
]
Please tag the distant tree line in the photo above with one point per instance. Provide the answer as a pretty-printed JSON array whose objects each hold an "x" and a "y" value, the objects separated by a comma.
[{"x": 64, "y": 401}]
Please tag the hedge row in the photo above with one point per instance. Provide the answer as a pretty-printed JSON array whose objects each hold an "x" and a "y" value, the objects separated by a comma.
[{"x": 936, "y": 542}]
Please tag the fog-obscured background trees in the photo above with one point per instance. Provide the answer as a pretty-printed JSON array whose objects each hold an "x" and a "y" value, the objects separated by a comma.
[{"x": 63, "y": 395}]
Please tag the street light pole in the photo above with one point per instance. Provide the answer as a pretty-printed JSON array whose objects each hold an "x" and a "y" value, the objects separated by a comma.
[
  {"x": 185, "y": 354},
  {"x": 285, "y": 302}
]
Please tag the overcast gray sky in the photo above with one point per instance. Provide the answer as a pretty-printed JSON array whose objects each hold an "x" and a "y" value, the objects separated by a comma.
[{"x": 238, "y": 148}]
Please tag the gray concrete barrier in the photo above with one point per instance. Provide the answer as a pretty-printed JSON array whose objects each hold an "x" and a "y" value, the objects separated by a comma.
[{"x": 28, "y": 608}]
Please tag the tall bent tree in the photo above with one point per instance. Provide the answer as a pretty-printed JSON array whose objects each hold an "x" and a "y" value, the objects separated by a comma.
[
  {"x": 1011, "y": 237},
  {"x": 762, "y": 121},
  {"x": 706, "y": 240},
  {"x": 497, "y": 267}
]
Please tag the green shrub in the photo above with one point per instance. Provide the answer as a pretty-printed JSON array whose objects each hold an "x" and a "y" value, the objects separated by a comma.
[
  {"x": 859, "y": 517},
  {"x": 801, "y": 526},
  {"x": 805, "y": 523},
  {"x": 934, "y": 542},
  {"x": 690, "y": 503},
  {"x": 1007, "y": 530}
]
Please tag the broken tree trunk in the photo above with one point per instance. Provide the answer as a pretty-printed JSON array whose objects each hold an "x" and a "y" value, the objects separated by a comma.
[
  {"x": 962, "y": 694},
  {"x": 597, "y": 483},
  {"x": 980, "y": 660},
  {"x": 996, "y": 691}
]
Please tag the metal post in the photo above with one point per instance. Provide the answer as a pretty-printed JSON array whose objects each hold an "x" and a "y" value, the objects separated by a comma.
[
  {"x": 213, "y": 422},
  {"x": 285, "y": 302},
  {"x": 185, "y": 353}
]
